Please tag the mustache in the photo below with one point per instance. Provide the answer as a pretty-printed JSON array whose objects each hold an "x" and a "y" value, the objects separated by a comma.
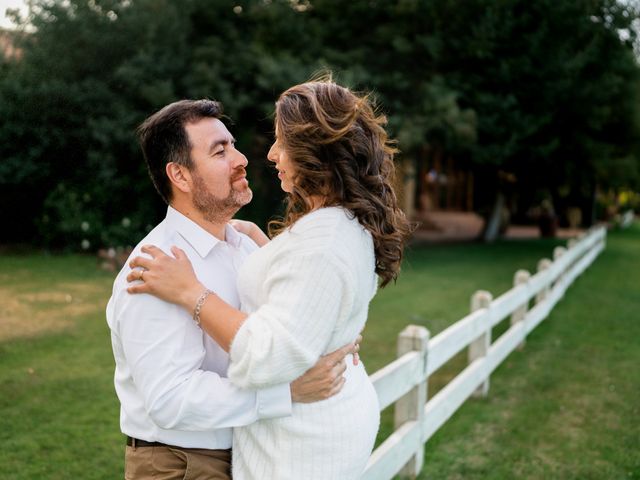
[{"x": 239, "y": 173}]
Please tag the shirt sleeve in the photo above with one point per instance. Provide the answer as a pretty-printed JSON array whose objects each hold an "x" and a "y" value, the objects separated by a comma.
[
  {"x": 307, "y": 296},
  {"x": 164, "y": 351}
]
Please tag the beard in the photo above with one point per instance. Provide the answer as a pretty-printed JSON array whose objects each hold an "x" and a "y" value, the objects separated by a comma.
[{"x": 215, "y": 209}]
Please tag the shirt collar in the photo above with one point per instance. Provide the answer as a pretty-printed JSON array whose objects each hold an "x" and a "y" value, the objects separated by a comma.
[
  {"x": 196, "y": 236},
  {"x": 232, "y": 237}
]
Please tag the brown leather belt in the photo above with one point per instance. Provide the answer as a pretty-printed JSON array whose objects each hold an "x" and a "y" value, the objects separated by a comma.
[{"x": 134, "y": 442}]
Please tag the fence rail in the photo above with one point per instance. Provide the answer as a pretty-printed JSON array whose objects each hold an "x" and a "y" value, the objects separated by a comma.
[{"x": 404, "y": 381}]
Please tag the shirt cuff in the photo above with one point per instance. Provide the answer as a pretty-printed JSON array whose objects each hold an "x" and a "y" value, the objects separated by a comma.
[{"x": 274, "y": 402}]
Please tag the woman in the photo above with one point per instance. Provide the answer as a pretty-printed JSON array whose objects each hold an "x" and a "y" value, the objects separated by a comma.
[{"x": 307, "y": 291}]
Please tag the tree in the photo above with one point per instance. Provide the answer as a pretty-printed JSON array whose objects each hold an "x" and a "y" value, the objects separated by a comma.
[
  {"x": 544, "y": 92},
  {"x": 554, "y": 87}
]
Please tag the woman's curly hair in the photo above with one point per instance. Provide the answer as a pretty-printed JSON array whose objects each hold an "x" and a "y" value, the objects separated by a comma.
[{"x": 340, "y": 149}]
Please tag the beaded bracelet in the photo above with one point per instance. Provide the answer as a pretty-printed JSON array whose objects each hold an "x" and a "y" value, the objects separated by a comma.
[{"x": 199, "y": 304}]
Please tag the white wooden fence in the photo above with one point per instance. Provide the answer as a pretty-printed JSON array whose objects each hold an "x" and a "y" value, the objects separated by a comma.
[
  {"x": 404, "y": 381},
  {"x": 626, "y": 219}
]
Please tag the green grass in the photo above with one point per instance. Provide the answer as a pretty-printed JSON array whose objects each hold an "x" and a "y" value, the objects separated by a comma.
[
  {"x": 58, "y": 409},
  {"x": 567, "y": 406}
]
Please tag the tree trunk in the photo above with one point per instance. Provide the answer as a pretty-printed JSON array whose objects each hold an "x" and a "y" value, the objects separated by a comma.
[{"x": 492, "y": 228}]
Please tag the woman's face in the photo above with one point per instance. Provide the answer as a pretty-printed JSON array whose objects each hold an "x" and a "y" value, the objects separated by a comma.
[{"x": 286, "y": 171}]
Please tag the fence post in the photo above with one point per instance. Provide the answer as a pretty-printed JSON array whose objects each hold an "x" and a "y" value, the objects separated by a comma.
[
  {"x": 572, "y": 242},
  {"x": 557, "y": 253},
  {"x": 411, "y": 406},
  {"x": 603, "y": 240},
  {"x": 521, "y": 277},
  {"x": 543, "y": 264},
  {"x": 480, "y": 346}
]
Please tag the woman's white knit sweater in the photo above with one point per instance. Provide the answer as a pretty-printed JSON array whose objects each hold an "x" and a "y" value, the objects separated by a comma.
[{"x": 307, "y": 293}]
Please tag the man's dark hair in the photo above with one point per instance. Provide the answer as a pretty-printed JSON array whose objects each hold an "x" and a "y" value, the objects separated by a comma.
[{"x": 163, "y": 138}]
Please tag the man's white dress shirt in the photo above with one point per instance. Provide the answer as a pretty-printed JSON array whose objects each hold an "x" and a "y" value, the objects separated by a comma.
[{"x": 170, "y": 376}]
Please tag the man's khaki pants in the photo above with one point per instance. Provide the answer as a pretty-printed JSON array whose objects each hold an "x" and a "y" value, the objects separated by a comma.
[{"x": 176, "y": 463}]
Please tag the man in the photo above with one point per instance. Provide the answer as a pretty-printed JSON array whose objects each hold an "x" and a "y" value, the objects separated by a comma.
[{"x": 177, "y": 407}]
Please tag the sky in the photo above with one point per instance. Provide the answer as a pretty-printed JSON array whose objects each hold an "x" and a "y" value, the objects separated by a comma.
[{"x": 4, "y": 4}]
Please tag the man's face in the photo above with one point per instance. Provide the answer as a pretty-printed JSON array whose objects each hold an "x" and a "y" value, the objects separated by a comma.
[{"x": 220, "y": 186}]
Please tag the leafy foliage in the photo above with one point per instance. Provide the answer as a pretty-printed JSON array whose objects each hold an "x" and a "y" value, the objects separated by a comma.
[{"x": 546, "y": 91}]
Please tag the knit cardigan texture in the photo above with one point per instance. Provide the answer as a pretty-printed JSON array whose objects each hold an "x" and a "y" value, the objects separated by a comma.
[{"x": 307, "y": 293}]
